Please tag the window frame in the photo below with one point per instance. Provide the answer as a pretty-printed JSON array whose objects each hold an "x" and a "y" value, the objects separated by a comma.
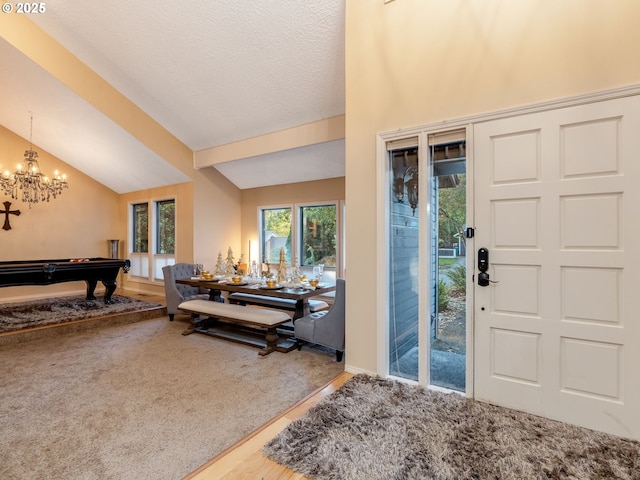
[
  {"x": 133, "y": 225},
  {"x": 158, "y": 231},
  {"x": 296, "y": 231},
  {"x": 146, "y": 267},
  {"x": 301, "y": 229},
  {"x": 261, "y": 252}
]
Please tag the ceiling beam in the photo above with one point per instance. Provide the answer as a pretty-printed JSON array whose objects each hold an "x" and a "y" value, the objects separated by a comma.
[
  {"x": 312, "y": 133},
  {"x": 47, "y": 53}
]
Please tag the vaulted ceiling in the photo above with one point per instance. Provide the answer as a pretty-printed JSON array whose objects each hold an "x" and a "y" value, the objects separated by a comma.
[{"x": 211, "y": 73}]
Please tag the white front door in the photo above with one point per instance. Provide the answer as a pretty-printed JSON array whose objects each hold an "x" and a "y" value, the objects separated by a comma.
[{"x": 557, "y": 205}]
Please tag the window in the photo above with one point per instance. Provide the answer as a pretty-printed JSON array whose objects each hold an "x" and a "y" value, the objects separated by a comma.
[
  {"x": 166, "y": 231},
  {"x": 140, "y": 227},
  {"x": 318, "y": 235},
  {"x": 276, "y": 233},
  {"x": 308, "y": 232},
  {"x": 152, "y": 220}
]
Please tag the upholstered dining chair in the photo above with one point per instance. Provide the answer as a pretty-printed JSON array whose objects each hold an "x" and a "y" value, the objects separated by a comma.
[
  {"x": 177, "y": 293},
  {"x": 325, "y": 328}
]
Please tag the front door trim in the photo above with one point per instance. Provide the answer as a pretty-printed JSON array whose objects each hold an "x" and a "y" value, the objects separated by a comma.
[{"x": 382, "y": 201}]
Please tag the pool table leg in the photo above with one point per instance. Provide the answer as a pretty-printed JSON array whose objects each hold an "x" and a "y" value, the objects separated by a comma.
[
  {"x": 91, "y": 287},
  {"x": 110, "y": 285}
]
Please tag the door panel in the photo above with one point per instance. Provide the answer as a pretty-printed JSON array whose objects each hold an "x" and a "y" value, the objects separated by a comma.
[{"x": 555, "y": 193}]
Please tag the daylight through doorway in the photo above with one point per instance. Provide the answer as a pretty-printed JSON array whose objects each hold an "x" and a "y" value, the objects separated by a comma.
[
  {"x": 447, "y": 333},
  {"x": 445, "y": 250}
]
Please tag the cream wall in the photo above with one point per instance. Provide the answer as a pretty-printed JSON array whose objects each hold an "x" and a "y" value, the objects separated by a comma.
[
  {"x": 254, "y": 198},
  {"x": 415, "y": 62},
  {"x": 38, "y": 46},
  {"x": 217, "y": 215},
  {"x": 76, "y": 224},
  {"x": 210, "y": 204}
]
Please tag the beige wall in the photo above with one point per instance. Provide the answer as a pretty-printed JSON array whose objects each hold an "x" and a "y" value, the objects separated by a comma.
[
  {"x": 414, "y": 62},
  {"x": 216, "y": 216},
  {"x": 37, "y": 45},
  {"x": 76, "y": 224},
  {"x": 254, "y": 198},
  {"x": 208, "y": 208}
]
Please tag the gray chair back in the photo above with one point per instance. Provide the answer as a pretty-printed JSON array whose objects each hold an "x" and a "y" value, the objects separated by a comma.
[
  {"x": 325, "y": 328},
  {"x": 177, "y": 293},
  {"x": 329, "y": 330}
]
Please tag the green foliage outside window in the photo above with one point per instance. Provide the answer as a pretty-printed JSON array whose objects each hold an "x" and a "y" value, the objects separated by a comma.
[
  {"x": 458, "y": 277},
  {"x": 141, "y": 228},
  {"x": 276, "y": 226},
  {"x": 166, "y": 228},
  {"x": 319, "y": 235},
  {"x": 443, "y": 296},
  {"x": 317, "y": 239},
  {"x": 453, "y": 213}
]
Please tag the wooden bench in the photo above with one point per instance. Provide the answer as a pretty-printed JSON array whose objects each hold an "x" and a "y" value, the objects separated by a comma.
[
  {"x": 255, "y": 321},
  {"x": 274, "y": 302}
]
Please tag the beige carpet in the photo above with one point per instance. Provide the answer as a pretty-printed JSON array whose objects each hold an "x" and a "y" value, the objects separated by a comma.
[{"x": 140, "y": 401}]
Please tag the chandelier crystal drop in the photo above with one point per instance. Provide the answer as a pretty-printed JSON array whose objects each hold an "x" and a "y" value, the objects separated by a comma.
[{"x": 28, "y": 183}]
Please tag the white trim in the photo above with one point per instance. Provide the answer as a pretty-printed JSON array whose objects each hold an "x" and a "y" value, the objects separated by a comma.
[
  {"x": 594, "y": 97},
  {"x": 152, "y": 203},
  {"x": 470, "y": 266},
  {"x": 382, "y": 238},
  {"x": 384, "y": 145},
  {"x": 340, "y": 235},
  {"x": 295, "y": 224},
  {"x": 356, "y": 370},
  {"x": 424, "y": 250},
  {"x": 382, "y": 256}
]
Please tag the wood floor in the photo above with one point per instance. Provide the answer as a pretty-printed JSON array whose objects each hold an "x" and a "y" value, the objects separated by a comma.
[{"x": 244, "y": 460}]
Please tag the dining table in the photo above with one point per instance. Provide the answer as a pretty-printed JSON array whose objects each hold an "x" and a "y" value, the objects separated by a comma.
[{"x": 298, "y": 292}]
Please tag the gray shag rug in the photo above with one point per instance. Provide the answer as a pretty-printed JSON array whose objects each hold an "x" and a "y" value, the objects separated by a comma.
[
  {"x": 380, "y": 429},
  {"x": 52, "y": 311}
]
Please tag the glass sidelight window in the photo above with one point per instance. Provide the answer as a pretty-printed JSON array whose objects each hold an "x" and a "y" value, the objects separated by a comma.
[
  {"x": 448, "y": 201},
  {"x": 427, "y": 259},
  {"x": 404, "y": 225}
]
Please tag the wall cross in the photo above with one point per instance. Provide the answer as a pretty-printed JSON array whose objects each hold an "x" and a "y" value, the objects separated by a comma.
[{"x": 7, "y": 211}]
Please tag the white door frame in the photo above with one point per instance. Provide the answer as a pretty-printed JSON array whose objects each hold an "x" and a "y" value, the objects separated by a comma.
[{"x": 382, "y": 233}]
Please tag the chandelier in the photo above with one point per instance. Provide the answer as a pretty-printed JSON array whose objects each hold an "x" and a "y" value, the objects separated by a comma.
[{"x": 28, "y": 183}]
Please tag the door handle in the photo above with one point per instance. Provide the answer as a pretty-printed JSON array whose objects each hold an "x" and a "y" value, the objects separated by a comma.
[{"x": 483, "y": 266}]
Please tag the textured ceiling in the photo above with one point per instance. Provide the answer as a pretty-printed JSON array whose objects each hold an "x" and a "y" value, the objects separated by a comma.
[
  {"x": 209, "y": 72},
  {"x": 71, "y": 129}
]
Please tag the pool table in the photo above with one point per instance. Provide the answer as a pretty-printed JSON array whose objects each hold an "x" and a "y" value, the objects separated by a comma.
[{"x": 46, "y": 272}]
